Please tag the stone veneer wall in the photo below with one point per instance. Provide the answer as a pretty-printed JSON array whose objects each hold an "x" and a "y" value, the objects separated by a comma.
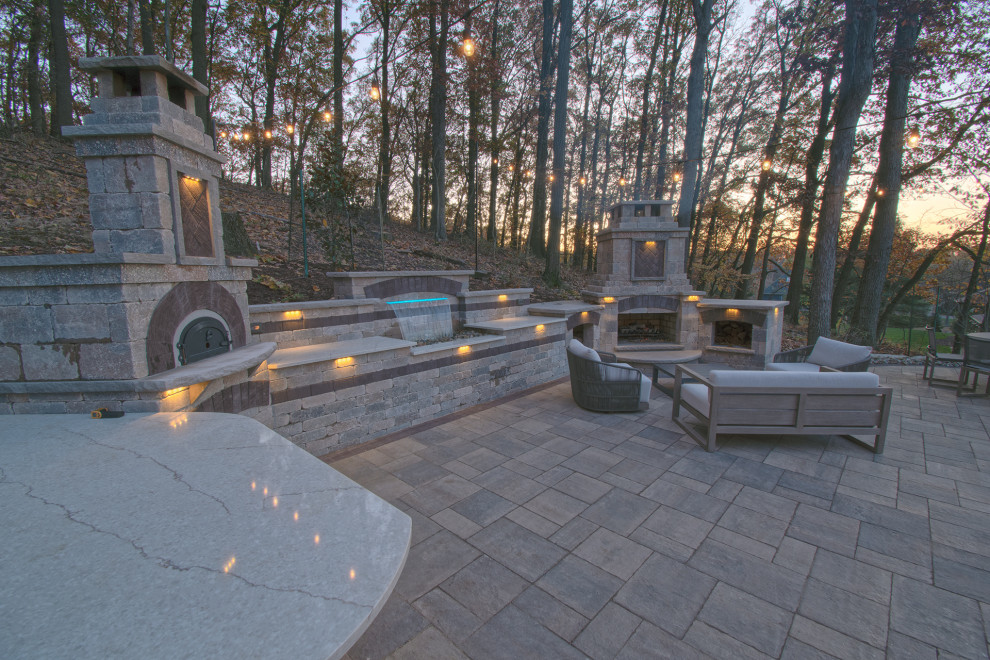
[
  {"x": 328, "y": 404},
  {"x": 87, "y": 317}
]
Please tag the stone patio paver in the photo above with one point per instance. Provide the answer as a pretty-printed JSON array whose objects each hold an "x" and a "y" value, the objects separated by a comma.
[{"x": 541, "y": 530}]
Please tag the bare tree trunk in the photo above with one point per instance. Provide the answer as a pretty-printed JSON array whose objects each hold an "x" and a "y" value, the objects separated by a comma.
[
  {"x": 61, "y": 80},
  {"x": 338, "y": 90},
  {"x": 809, "y": 195},
  {"x": 384, "y": 148},
  {"x": 130, "y": 27},
  {"x": 579, "y": 221},
  {"x": 474, "y": 114},
  {"x": 199, "y": 59},
  {"x": 694, "y": 131},
  {"x": 854, "y": 88},
  {"x": 147, "y": 27},
  {"x": 867, "y": 310},
  {"x": 496, "y": 98},
  {"x": 844, "y": 277},
  {"x": 551, "y": 273},
  {"x": 439, "y": 97},
  {"x": 644, "y": 118},
  {"x": 35, "y": 39},
  {"x": 537, "y": 223}
]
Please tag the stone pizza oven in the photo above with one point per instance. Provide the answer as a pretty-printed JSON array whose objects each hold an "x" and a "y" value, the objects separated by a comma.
[{"x": 124, "y": 323}]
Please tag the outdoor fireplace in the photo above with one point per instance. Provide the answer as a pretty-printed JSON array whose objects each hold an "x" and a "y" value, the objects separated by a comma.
[
  {"x": 648, "y": 328},
  {"x": 737, "y": 334}
]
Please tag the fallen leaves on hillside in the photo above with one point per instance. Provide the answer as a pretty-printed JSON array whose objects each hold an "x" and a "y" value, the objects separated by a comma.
[{"x": 44, "y": 209}]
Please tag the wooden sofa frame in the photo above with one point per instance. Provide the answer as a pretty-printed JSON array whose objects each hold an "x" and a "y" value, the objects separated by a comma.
[{"x": 786, "y": 411}]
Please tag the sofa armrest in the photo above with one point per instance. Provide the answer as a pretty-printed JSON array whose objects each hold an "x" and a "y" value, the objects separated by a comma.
[{"x": 607, "y": 357}]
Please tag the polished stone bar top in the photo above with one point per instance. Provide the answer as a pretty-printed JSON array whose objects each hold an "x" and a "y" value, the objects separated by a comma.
[{"x": 175, "y": 535}]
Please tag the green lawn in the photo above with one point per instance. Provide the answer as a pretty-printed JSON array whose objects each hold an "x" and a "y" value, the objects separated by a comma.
[{"x": 919, "y": 339}]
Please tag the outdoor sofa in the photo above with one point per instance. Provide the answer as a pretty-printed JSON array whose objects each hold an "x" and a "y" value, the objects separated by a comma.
[
  {"x": 601, "y": 384},
  {"x": 782, "y": 403}
]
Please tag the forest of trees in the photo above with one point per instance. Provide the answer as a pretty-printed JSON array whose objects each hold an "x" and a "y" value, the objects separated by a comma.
[{"x": 787, "y": 131}]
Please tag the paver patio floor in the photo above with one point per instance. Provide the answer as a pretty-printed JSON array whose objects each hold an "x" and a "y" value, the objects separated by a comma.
[{"x": 541, "y": 530}]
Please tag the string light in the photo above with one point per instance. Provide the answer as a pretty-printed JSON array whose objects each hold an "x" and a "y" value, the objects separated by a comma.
[
  {"x": 550, "y": 178},
  {"x": 268, "y": 135},
  {"x": 913, "y": 138},
  {"x": 468, "y": 46},
  {"x": 767, "y": 164},
  {"x": 880, "y": 192},
  {"x": 290, "y": 129},
  {"x": 677, "y": 176},
  {"x": 375, "y": 92},
  {"x": 582, "y": 181},
  {"x": 622, "y": 181},
  {"x": 327, "y": 116}
]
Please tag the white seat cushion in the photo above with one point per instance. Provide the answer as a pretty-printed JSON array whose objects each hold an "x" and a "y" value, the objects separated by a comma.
[
  {"x": 830, "y": 353},
  {"x": 622, "y": 375},
  {"x": 792, "y": 366},
  {"x": 580, "y": 350},
  {"x": 696, "y": 395}
]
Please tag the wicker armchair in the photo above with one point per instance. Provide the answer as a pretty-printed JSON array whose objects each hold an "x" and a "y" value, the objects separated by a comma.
[
  {"x": 604, "y": 385},
  {"x": 824, "y": 353}
]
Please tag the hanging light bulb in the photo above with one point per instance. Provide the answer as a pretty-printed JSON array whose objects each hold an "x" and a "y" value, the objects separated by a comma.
[
  {"x": 375, "y": 92},
  {"x": 327, "y": 116},
  {"x": 913, "y": 138},
  {"x": 766, "y": 164},
  {"x": 582, "y": 181},
  {"x": 550, "y": 178},
  {"x": 223, "y": 134},
  {"x": 512, "y": 168},
  {"x": 622, "y": 181},
  {"x": 880, "y": 192},
  {"x": 290, "y": 129},
  {"x": 268, "y": 135},
  {"x": 677, "y": 176},
  {"x": 468, "y": 46},
  {"x": 247, "y": 136}
]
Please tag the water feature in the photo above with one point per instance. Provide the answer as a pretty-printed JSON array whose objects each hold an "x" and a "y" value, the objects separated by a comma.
[{"x": 423, "y": 319}]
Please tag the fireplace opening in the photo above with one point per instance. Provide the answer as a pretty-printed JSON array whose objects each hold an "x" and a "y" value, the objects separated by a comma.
[
  {"x": 203, "y": 337},
  {"x": 734, "y": 334},
  {"x": 647, "y": 328}
]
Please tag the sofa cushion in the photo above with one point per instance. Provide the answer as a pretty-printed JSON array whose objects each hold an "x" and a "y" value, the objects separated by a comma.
[
  {"x": 832, "y": 353},
  {"x": 824, "y": 379},
  {"x": 696, "y": 395},
  {"x": 793, "y": 366},
  {"x": 580, "y": 350}
]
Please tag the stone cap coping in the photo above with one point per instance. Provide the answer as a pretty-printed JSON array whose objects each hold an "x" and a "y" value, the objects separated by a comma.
[
  {"x": 563, "y": 308},
  {"x": 631, "y": 227},
  {"x": 513, "y": 323},
  {"x": 645, "y": 346},
  {"x": 96, "y": 131},
  {"x": 174, "y": 74},
  {"x": 248, "y": 262},
  {"x": 455, "y": 344},
  {"x": 213, "y": 368},
  {"x": 312, "y": 304},
  {"x": 488, "y": 293},
  {"x": 85, "y": 259},
  {"x": 739, "y": 350},
  {"x": 658, "y": 357},
  {"x": 300, "y": 355},
  {"x": 399, "y": 273},
  {"x": 719, "y": 303}
]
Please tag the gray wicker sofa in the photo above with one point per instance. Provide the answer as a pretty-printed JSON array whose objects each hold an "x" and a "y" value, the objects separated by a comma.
[
  {"x": 600, "y": 384},
  {"x": 783, "y": 403}
]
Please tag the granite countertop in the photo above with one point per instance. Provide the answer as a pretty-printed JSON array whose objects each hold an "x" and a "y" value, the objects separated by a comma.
[{"x": 184, "y": 535}]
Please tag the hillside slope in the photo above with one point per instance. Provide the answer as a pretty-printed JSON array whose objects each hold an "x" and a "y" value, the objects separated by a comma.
[{"x": 44, "y": 209}]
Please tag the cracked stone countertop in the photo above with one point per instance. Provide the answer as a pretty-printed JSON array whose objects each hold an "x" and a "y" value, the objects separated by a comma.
[{"x": 184, "y": 536}]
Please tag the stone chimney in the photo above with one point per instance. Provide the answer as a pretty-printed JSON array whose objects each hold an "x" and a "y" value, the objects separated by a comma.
[{"x": 152, "y": 170}]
